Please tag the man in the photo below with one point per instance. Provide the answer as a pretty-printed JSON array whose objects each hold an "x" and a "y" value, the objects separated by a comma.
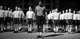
[
  {"x": 50, "y": 21},
  {"x": 70, "y": 21},
  {"x": 62, "y": 20},
  {"x": 56, "y": 18},
  {"x": 1, "y": 18},
  {"x": 39, "y": 10},
  {"x": 29, "y": 16},
  {"x": 16, "y": 20},
  {"x": 78, "y": 21},
  {"x": 74, "y": 20}
]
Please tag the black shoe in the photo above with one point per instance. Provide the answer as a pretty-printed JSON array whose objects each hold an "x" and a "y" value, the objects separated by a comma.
[
  {"x": 1, "y": 31},
  {"x": 29, "y": 31},
  {"x": 15, "y": 31},
  {"x": 39, "y": 36}
]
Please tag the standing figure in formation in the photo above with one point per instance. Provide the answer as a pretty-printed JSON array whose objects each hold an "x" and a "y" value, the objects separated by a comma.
[
  {"x": 56, "y": 16},
  {"x": 29, "y": 16},
  {"x": 16, "y": 20},
  {"x": 70, "y": 20},
  {"x": 1, "y": 18}
]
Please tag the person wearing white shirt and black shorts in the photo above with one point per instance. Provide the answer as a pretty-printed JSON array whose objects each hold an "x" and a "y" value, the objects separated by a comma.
[{"x": 29, "y": 16}]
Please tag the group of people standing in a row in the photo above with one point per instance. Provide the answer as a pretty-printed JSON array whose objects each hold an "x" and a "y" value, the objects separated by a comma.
[{"x": 66, "y": 19}]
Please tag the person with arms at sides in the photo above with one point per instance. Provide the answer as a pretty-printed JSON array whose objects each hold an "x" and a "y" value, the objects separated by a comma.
[
  {"x": 21, "y": 17},
  {"x": 29, "y": 15},
  {"x": 16, "y": 20},
  {"x": 1, "y": 19},
  {"x": 70, "y": 21},
  {"x": 56, "y": 17},
  {"x": 62, "y": 21},
  {"x": 40, "y": 15},
  {"x": 50, "y": 19},
  {"x": 78, "y": 20}
]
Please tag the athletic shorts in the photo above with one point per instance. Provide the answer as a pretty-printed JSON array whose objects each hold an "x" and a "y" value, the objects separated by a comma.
[
  {"x": 50, "y": 22},
  {"x": 16, "y": 21},
  {"x": 40, "y": 20},
  {"x": 7, "y": 19},
  {"x": 62, "y": 22},
  {"x": 1, "y": 20},
  {"x": 78, "y": 22},
  {"x": 74, "y": 22},
  {"x": 56, "y": 22},
  {"x": 70, "y": 22},
  {"x": 30, "y": 20}
]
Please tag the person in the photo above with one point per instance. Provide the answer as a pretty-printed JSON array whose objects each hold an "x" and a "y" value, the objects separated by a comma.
[
  {"x": 74, "y": 20},
  {"x": 21, "y": 17},
  {"x": 16, "y": 20},
  {"x": 40, "y": 15},
  {"x": 56, "y": 17},
  {"x": 78, "y": 20},
  {"x": 50, "y": 21},
  {"x": 29, "y": 16},
  {"x": 1, "y": 18},
  {"x": 62, "y": 21},
  {"x": 70, "y": 21}
]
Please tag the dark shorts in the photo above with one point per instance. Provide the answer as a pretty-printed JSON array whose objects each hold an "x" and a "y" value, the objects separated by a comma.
[
  {"x": 16, "y": 21},
  {"x": 30, "y": 20},
  {"x": 50, "y": 22},
  {"x": 8, "y": 19},
  {"x": 78, "y": 22},
  {"x": 62, "y": 22},
  {"x": 40, "y": 20},
  {"x": 56, "y": 22},
  {"x": 70, "y": 22},
  {"x": 1, "y": 20},
  {"x": 74, "y": 22}
]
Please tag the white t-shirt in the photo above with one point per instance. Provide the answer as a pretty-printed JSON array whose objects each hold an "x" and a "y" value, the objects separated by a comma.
[
  {"x": 77, "y": 16},
  {"x": 21, "y": 14},
  {"x": 65, "y": 15},
  {"x": 50, "y": 16},
  {"x": 62, "y": 16},
  {"x": 7, "y": 13},
  {"x": 1, "y": 13},
  {"x": 74, "y": 16},
  {"x": 56, "y": 15},
  {"x": 69, "y": 15},
  {"x": 16, "y": 14},
  {"x": 29, "y": 14}
]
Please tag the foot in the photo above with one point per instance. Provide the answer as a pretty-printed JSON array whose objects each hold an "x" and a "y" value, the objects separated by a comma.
[
  {"x": 29, "y": 31},
  {"x": 39, "y": 36},
  {"x": 1, "y": 31},
  {"x": 15, "y": 31}
]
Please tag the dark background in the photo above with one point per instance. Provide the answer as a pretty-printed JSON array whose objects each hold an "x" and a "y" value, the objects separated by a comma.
[{"x": 49, "y": 4}]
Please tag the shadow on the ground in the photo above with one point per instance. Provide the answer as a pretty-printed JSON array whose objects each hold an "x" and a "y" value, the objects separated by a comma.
[{"x": 52, "y": 35}]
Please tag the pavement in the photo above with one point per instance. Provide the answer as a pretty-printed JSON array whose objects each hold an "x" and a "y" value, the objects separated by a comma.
[{"x": 49, "y": 35}]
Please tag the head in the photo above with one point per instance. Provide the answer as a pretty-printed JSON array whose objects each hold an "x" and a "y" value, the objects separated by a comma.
[
  {"x": 49, "y": 12},
  {"x": 69, "y": 10},
  {"x": 16, "y": 8},
  {"x": 56, "y": 10},
  {"x": 66, "y": 11},
  {"x": 8, "y": 8},
  {"x": 40, "y": 2},
  {"x": 79, "y": 12},
  {"x": 1, "y": 7},
  {"x": 74, "y": 12},
  {"x": 30, "y": 9},
  {"x": 63, "y": 12},
  {"x": 19, "y": 9}
]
